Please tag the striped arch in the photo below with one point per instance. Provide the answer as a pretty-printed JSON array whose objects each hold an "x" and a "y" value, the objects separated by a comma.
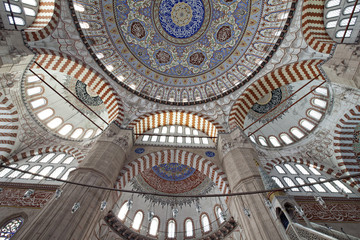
[
  {"x": 45, "y": 22},
  {"x": 313, "y": 28},
  {"x": 71, "y": 66},
  {"x": 178, "y": 156},
  {"x": 170, "y": 117},
  {"x": 271, "y": 164},
  {"x": 344, "y": 140},
  {"x": 294, "y": 72},
  {"x": 9, "y": 126},
  {"x": 65, "y": 149}
]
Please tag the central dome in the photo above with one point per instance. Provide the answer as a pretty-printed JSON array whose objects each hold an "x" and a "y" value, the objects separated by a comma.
[
  {"x": 183, "y": 51},
  {"x": 174, "y": 40}
]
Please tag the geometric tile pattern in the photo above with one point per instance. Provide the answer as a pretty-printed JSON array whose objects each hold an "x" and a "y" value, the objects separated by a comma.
[
  {"x": 193, "y": 160},
  {"x": 344, "y": 141},
  {"x": 72, "y": 67},
  {"x": 76, "y": 153},
  {"x": 313, "y": 27},
  {"x": 9, "y": 125},
  {"x": 170, "y": 117},
  {"x": 45, "y": 22},
  {"x": 294, "y": 72}
]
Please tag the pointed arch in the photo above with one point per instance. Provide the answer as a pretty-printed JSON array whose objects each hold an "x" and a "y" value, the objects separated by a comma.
[
  {"x": 205, "y": 166},
  {"x": 45, "y": 22},
  {"x": 294, "y": 72},
  {"x": 60, "y": 62},
  {"x": 347, "y": 142},
  {"x": 182, "y": 118},
  {"x": 79, "y": 156},
  {"x": 313, "y": 27},
  {"x": 9, "y": 126},
  {"x": 281, "y": 160}
]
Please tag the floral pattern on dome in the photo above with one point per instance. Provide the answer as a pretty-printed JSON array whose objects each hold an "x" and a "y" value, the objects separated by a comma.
[
  {"x": 234, "y": 42},
  {"x": 274, "y": 99},
  {"x": 148, "y": 181},
  {"x": 173, "y": 171},
  {"x": 181, "y": 19},
  {"x": 83, "y": 94},
  {"x": 176, "y": 24},
  {"x": 269, "y": 101}
]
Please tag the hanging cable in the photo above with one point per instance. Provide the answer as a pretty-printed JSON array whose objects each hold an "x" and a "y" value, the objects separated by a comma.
[{"x": 182, "y": 196}]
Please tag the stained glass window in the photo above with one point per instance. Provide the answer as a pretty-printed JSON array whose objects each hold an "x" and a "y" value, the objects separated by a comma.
[{"x": 10, "y": 228}]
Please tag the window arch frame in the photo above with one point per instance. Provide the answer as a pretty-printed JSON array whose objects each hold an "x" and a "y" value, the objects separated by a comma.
[
  {"x": 127, "y": 211},
  {"x": 167, "y": 228},
  {"x": 158, "y": 227},
  {"x": 141, "y": 221},
  {"x": 202, "y": 225},
  {"x": 185, "y": 228},
  {"x": 218, "y": 218}
]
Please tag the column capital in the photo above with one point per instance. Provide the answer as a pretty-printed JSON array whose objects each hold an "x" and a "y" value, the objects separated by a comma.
[
  {"x": 119, "y": 136},
  {"x": 235, "y": 139}
]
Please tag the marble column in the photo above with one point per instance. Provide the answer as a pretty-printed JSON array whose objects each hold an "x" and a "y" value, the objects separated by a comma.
[
  {"x": 238, "y": 160},
  {"x": 101, "y": 167}
]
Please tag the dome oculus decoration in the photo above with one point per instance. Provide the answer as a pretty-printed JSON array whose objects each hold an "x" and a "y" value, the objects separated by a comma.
[{"x": 183, "y": 51}]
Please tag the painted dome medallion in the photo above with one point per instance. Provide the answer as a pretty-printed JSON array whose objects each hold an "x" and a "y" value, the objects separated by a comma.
[{"x": 180, "y": 51}]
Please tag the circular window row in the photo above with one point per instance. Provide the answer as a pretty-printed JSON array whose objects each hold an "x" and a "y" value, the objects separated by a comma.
[
  {"x": 341, "y": 18},
  {"x": 171, "y": 226},
  {"x": 291, "y": 174},
  {"x": 55, "y": 165},
  {"x": 39, "y": 104},
  {"x": 21, "y": 13},
  {"x": 305, "y": 126}
]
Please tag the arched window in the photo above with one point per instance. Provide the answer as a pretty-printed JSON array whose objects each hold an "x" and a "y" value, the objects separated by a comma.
[
  {"x": 205, "y": 223},
  {"x": 33, "y": 169},
  {"x": 171, "y": 228},
  {"x": 218, "y": 212},
  {"x": 297, "y": 133},
  {"x": 290, "y": 183},
  {"x": 314, "y": 171},
  {"x": 11, "y": 227},
  {"x": 278, "y": 181},
  {"x": 123, "y": 211},
  {"x": 290, "y": 169},
  {"x": 316, "y": 186},
  {"x": 45, "y": 171},
  {"x": 301, "y": 169},
  {"x": 329, "y": 186},
  {"x": 137, "y": 220},
  {"x": 154, "y": 226},
  {"x": 286, "y": 138},
  {"x": 189, "y": 228},
  {"x": 274, "y": 141},
  {"x": 280, "y": 169},
  {"x": 301, "y": 182},
  {"x": 5, "y": 171},
  {"x": 262, "y": 141},
  {"x": 342, "y": 186}
]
